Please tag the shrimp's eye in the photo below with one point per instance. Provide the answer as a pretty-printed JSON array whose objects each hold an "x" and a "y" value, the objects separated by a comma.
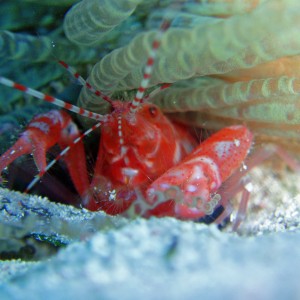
[{"x": 153, "y": 111}]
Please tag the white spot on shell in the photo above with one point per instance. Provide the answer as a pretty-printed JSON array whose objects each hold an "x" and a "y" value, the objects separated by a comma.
[
  {"x": 244, "y": 166},
  {"x": 199, "y": 162},
  {"x": 112, "y": 195},
  {"x": 249, "y": 187},
  {"x": 237, "y": 142},
  {"x": 129, "y": 172},
  {"x": 177, "y": 153},
  {"x": 148, "y": 163},
  {"x": 44, "y": 127},
  {"x": 191, "y": 188},
  {"x": 213, "y": 185},
  {"x": 55, "y": 116},
  {"x": 222, "y": 149},
  {"x": 197, "y": 173},
  {"x": 165, "y": 185}
]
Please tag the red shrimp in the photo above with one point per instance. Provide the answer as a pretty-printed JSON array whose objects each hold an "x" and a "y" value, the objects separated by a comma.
[
  {"x": 145, "y": 161},
  {"x": 142, "y": 155}
]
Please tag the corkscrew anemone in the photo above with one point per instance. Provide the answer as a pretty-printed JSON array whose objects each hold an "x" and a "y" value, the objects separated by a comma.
[{"x": 228, "y": 62}]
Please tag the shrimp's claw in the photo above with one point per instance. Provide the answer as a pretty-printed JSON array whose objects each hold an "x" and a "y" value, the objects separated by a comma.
[
  {"x": 40, "y": 134},
  {"x": 199, "y": 176},
  {"x": 21, "y": 147},
  {"x": 43, "y": 132}
]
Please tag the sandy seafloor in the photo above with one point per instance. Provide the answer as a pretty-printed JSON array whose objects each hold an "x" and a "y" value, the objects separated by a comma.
[
  {"x": 162, "y": 259},
  {"x": 114, "y": 258}
]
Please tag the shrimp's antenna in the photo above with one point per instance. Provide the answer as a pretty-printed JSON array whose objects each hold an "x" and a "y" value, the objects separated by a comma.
[
  {"x": 83, "y": 82},
  {"x": 156, "y": 91},
  {"x": 149, "y": 67},
  {"x": 53, "y": 100}
]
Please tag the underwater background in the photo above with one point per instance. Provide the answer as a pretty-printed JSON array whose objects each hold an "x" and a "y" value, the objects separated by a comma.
[{"x": 240, "y": 58}]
